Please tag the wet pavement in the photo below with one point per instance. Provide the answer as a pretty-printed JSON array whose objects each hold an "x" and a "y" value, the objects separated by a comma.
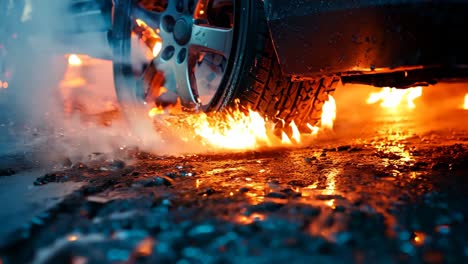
[{"x": 374, "y": 191}]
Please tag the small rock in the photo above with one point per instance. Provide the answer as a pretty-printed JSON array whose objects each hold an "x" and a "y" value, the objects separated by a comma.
[
  {"x": 404, "y": 235},
  {"x": 311, "y": 211},
  {"x": 265, "y": 207},
  {"x": 440, "y": 166},
  {"x": 443, "y": 229},
  {"x": 117, "y": 165},
  {"x": 37, "y": 221},
  {"x": 355, "y": 149},
  {"x": 172, "y": 175},
  {"x": 209, "y": 191},
  {"x": 325, "y": 248},
  {"x": 48, "y": 178},
  {"x": 201, "y": 230},
  {"x": 340, "y": 208},
  {"x": 6, "y": 172},
  {"x": 276, "y": 195},
  {"x": 325, "y": 197},
  {"x": 67, "y": 163},
  {"x": 299, "y": 183},
  {"x": 244, "y": 190},
  {"x": 407, "y": 248},
  {"x": 343, "y": 148},
  {"x": 291, "y": 193},
  {"x": 118, "y": 255},
  {"x": 343, "y": 238},
  {"x": 157, "y": 181},
  {"x": 79, "y": 165},
  {"x": 97, "y": 199}
]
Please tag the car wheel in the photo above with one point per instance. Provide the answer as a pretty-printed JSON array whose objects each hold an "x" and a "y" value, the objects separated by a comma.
[{"x": 207, "y": 53}]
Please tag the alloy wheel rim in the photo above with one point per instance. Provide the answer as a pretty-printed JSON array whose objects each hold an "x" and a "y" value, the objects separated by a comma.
[{"x": 181, "y": 42}]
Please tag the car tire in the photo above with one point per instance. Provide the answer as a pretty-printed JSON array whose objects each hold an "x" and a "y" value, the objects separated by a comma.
[
  {"x": 267, "y": 90},
  {"x": 253, "y": 73}
]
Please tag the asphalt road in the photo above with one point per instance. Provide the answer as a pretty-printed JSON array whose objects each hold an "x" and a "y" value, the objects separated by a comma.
[{"x": 382, "y": 188}]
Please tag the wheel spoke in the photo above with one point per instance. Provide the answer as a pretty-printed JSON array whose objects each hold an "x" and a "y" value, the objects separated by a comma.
[
  {"x": 151, "y": 18},
  {"x": 146, "y": 79},
  {"x": 175, "y": 5},
  {"x": 212, "y": 39},
  {"x": 185, "y": 84}
]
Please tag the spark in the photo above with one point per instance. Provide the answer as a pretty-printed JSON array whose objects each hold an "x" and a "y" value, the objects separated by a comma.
[{"x": 74, "y": 60}]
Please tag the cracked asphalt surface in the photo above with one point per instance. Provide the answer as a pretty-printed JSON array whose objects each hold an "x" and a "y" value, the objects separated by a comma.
[{"x": 388, "y": 190}]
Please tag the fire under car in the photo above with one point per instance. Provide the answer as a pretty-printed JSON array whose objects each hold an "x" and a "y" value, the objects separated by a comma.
[{"x": 281, "y": 58}]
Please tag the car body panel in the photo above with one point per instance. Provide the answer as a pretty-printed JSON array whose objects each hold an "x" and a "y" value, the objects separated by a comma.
[{"x": 367, "y": 36}]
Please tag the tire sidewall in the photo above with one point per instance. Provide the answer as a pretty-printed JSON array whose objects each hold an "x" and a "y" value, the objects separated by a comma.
[{"x": 243, "y": 54}]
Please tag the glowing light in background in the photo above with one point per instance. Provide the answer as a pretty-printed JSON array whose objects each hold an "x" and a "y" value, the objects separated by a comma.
[
  {"x": 72, "y": 238},
  {"x": 392, "y": 98},
  {"x": 3, "y": 85}
]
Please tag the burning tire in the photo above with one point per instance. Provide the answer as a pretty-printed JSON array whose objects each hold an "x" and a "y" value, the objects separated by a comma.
[{"x": 207, "y": 54}]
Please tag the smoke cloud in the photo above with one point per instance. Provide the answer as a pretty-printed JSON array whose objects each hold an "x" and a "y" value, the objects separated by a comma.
[{"x": 39, "y": 111}]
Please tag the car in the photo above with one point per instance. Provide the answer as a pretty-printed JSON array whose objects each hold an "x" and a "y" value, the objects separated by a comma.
[{"x": 281, "y": 58}]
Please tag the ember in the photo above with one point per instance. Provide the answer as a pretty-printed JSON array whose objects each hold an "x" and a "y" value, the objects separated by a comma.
[
  {"x": 419, "y": 238},
  {"x": 145, "y": 247},
  {"x": 72, "y": 238}
]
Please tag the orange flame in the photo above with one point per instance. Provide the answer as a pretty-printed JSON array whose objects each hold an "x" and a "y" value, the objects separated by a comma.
[
  {"x": 155, "y": 111},
  {"x": 392, "y": 98},
  {"x": 329, "y": 113},
  {"x": 73, "y": 77},
  {"x": 285, "y": 139},
  {"x": 150, "y": 37},
  {"x": 296, "y": 135},
  {"x": 465, "y": 105},
  {"x": 236, "y": 130},
  {"x": 240, "y": 130}
]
